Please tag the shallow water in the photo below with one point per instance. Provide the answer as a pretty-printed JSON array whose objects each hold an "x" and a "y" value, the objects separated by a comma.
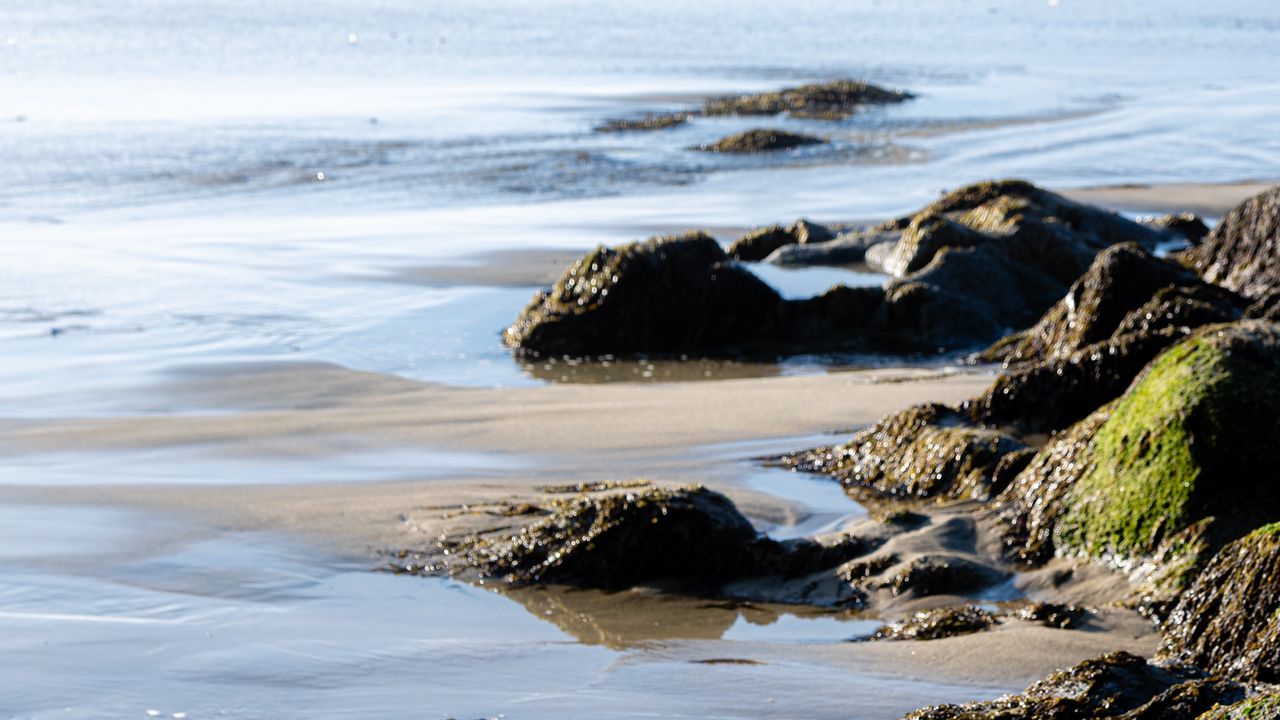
[{"x": 201, "y": 184}]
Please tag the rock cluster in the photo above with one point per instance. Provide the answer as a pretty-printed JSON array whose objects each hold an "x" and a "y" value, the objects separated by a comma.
[{"x": 760, "y": 140}]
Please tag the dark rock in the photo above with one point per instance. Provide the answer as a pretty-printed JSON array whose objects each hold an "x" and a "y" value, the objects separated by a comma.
[
  {"x": 846, "y": 249},
  {"x": 810, "y": 233},
  {"x": 938, "y": 624},
  {"x": 1104, "y": 687},
  {"x": 941, "y": 575},
  {"x": 666, "y": 295},
  {"x": 824, "y": 101},
  {"x": 1187, "y": 226},
  {"x": 652, "y": 121},
  {"x": 761, "y": 140},
  {"x": 758, "y": 244},
  {"x": 1054, "y": 615},
  {"x": 692, "y": 535},
  {"x": 925, "y": 451},
  {"x": 1242, "y": 253},
  {"x": 1188, "y": 700},
  {"x": 1120, "y": 280},
  {"x": 1228, "y": 621}
]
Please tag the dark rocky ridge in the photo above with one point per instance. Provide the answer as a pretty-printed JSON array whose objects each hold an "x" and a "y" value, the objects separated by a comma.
[
  {"x": 1242, "y": 253},
  {"x": 759, "y": 141}
]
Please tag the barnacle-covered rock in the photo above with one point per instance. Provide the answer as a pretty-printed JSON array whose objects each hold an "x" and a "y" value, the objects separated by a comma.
[
  {"x": 1242, "y": 253},
  {"x": 925, "y": 451},
  {"x": 940, "y": 575},
  {"x": 1110, "y": 686},
  {"x": 761, "y": 140},
  {"x": 1228, "y": 621},
  {"x": 938, "y": 624}
]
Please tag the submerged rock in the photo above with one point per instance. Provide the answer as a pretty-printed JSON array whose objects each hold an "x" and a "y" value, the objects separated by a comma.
[
  {"x": 1173, "y": 463},
  {"x": 938, "y": 624},
  {"x": 652, "y": 121},
  {"x": 1116, "y": 685},
  {"x": 1242, "y": 253},
  {"x": 925, "y": 451},
  {"x": 761, "y": 140},
  {"x": 823, "y": 101},
  {"x": 1228, "y": 621}
]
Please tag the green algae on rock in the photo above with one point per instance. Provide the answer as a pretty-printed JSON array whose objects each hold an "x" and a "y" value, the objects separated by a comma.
[
  {"x": 760, "y": 140},
  {"x": 938, "y": 624},
  {"x": 1242, "y": 252},
  {"x": 925, "y": 451},
  {"x": 832, "y": 100},
  {"x": 1264, "y": 707},
  {"x": 1116, "y": 685},
  {"x": 1228, "y": 621}
]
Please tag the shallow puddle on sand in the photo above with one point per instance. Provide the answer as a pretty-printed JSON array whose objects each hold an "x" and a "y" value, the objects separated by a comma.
[
  {"x": 168, "y": 617},
  {"x": 826, "y": 503}
]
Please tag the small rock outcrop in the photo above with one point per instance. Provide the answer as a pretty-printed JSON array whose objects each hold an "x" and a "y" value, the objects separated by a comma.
[
  {"x": 650, "y": 121},
  {"x": 1242, "y": 252},
  {"x": 1263, "y": 707},
  {"x": 938, "y": 624},
  {"x": 1228, "y": 621},
  {"x": 832, "y": 100},
  {"x": 925, "y": 451},
  {"x": 759, "y": 141},
  {"x": 1116, "y": 685},
  {"x": 760, "y": 243}
]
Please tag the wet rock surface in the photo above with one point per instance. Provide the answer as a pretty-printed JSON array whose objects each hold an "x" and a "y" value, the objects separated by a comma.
[
  {"x": 940, "y": 575},
  {"x": 926, "y": 451},
  {"x": 1263, "y": 707},
  {"x": 983, "y": 259},
  {"x": 1056, "y": 615},
  {"x": 938, "y": 624},
  {"x": 760, "y": 243},
  {"x": 651, "y": 121},
  {"x": 1228, "y": 621},
  {"x": 1116, "y": 685},
  {"x": 833, "y": 100},
  {"x": 761, "y": 140},
  {"x": 1242, "y": 253}
]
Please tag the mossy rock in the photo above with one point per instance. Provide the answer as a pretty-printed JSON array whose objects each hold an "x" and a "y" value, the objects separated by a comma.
[
  {"x": 1116, "y": 685},
  {"x": 925, "y": 451},
  {"x": 1193, "y": 438},
  {"x": 1242, "y": 252},
  {"x": 822, "y": 101},
  {"x": 761, "y": 140},
  {"x": 1264, "y": 707},
  {"x": 938, "y": 624},
  {"x": 1228, "y": 621}
]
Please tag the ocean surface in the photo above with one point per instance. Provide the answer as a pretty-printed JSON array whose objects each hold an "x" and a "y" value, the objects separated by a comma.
[{"x": 197, "y": 183}]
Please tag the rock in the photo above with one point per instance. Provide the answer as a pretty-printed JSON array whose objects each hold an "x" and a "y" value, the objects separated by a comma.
[
  {"x": 938, "y": 624},
  {"x": 925, "y": 451},
  {"x": 1120, "y": 280},
  {"x": 760, "y": 140},
  {"x": 1187, "y": 226},
  {"x": 1242, "y": 253},
  {"x": 667, "y": 295},
  {"x": 823, "y": 101},
  {"x": 1104, "y": 687},
  {"x": 1264, "y": 707},
  {"x": 845, "y": 249},
  {"x": 651, "y": 121},
  {"x": 758, "y": 244},
  {"x": 940, "y": 575},
  {"x": 691, "y": 535},
  {"x": 1228, "y": 621},
  {"x": 1054, "y": 615},
  {"x": 1188, "y": 700},
  {"x": 1173, "y": 463}
]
